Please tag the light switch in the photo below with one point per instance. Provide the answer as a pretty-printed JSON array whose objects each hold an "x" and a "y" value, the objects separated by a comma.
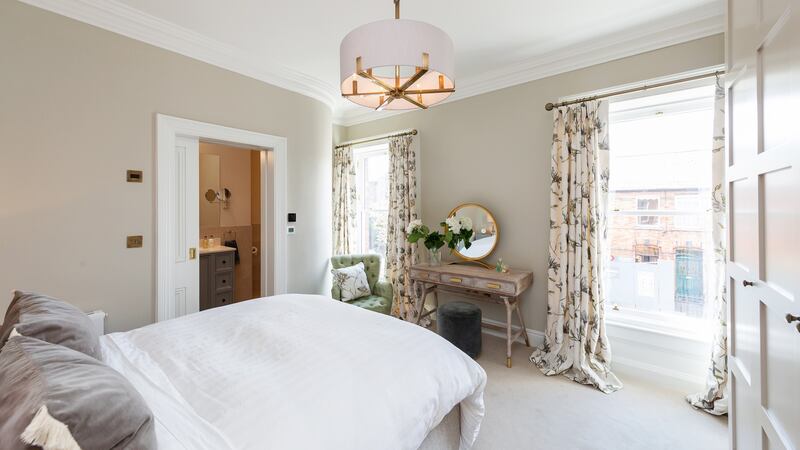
[
  {"x": 135, "y": 241},
  {"x": 134, "y": 176}
]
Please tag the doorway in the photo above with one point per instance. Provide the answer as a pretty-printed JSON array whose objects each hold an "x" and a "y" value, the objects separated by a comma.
[
  {"x": 230, "y": 223},
  {"x": 178, "y": 215}
]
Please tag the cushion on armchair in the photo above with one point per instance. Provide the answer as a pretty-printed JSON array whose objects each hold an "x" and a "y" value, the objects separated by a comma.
[
  {"x": 381, "y": 296},
  {"x": 351, "y": 281}
]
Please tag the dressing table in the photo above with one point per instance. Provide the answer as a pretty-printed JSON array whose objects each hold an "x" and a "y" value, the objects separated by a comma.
[{"x": 476, "y": 282}]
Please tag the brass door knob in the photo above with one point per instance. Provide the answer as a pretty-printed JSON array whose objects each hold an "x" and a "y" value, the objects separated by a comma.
[
  {"x": 792, "y": 318},
  {"x": 746, "y": 283}
]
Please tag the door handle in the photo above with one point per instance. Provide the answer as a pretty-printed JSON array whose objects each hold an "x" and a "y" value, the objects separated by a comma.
[
  {"x": 192, "y": 253},
  {"x": 746, "y": 283},
  {"x": 792, "y": 318}
]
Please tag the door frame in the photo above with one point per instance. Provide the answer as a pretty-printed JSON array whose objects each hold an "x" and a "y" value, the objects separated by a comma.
[{"x": 273, "y": 168}]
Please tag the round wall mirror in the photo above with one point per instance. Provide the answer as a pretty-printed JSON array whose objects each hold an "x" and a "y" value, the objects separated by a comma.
[{"x": 485, "y": 232}]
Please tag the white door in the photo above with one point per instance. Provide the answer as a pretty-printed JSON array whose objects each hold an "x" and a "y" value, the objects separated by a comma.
[
  {"x": 185, "y": 212},
  {"x": 763, "y": 87}
]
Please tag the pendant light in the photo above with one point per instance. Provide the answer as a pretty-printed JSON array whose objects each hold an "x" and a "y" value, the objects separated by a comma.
[{"x": 396, "y": 64}]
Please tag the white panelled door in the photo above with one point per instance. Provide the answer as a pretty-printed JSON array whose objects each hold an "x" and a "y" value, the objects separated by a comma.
[
  {"x": 763, "y": 88},
  {"x": 186, "y": 220}
]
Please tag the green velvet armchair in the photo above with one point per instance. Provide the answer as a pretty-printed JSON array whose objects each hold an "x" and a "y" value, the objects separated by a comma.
[{"x": 382, "y": 293}]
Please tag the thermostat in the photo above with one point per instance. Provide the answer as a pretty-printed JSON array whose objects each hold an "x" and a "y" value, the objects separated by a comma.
[{"x": 292, "y": 217}]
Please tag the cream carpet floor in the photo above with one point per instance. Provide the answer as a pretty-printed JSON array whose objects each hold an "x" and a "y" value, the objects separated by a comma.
[{"x": 527, "y": 410}]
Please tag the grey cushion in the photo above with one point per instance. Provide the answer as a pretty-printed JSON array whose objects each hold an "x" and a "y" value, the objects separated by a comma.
[
  {"x": 50, "y": 320},
  {"x": 101, "y": 409}
]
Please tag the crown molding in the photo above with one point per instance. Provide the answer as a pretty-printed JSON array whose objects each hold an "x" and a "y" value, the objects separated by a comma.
[
  {"x": 698, "y": 23},
  {"x": 119, "y": 18}
]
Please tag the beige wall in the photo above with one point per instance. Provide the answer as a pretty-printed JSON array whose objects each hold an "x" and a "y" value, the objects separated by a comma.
[
  {"x": 494, "y": 149},
  {"x": 78, "y": 109},
  {"x": 234, "y": 174}
]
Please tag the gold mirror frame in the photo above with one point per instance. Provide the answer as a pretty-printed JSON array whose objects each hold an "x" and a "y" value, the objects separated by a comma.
[{"x": 496, "y": 233}]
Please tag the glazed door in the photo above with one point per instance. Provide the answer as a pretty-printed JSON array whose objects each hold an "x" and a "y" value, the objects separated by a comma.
[{"x": 763, "y": 94}]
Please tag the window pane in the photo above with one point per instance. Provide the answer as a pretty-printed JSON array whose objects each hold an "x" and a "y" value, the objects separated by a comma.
[
  {"x": 660, "y": 223},
  {"x": 372, "y": 189}
]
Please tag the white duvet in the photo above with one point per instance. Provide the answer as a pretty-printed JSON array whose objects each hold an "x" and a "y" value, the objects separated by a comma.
[{"x": 297, "y": 372}]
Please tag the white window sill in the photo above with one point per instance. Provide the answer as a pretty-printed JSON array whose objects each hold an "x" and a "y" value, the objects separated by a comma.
[{"x": 692, "y": 329}]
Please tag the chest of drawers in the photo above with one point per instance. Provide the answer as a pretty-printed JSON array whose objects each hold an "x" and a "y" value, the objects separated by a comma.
[{"x": 216, "y": 279}]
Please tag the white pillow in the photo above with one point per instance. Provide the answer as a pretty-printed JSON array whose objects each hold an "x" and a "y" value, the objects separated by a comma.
[{"x": 351, "y": 281}]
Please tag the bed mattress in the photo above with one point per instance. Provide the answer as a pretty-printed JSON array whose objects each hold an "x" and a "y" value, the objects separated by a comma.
[{"x": 297, "y": 372}]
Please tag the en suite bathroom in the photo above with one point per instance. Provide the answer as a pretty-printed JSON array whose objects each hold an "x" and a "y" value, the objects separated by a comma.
[{"x": 230, "y": 224}]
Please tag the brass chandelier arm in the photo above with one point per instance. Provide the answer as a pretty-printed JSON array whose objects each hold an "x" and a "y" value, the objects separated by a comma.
[
  {"x": 420, "y": 72},
  {"x": 428, "y": 91},
  {"x": 376, "y": 80},
  {"x": 413, "y": 102},
  {"x": 385, "y": 103},
  {"x": 356, "y": 94}
]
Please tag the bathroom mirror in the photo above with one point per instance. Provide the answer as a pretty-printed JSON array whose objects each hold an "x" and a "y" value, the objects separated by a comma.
[
  {"x": 209, "y": 186},
  {"x": 485, "y": 232}
]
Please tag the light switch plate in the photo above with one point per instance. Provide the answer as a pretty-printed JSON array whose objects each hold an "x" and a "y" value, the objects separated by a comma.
[
  {"x": 134, "y": 241},
  {"x": 290, "y": 229},
  {"x": 133, "y": 176}
]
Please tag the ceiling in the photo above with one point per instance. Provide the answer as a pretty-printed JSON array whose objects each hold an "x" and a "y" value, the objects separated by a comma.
[{"x": 295, "y": 44}]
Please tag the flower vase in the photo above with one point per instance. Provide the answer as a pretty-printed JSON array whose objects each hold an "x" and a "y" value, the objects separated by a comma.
[{"x": 435, "y": 256}]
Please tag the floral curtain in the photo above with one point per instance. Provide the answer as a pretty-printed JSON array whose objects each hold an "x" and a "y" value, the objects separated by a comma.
[
  {"x": 575, "y": 342},
  {"x": 400, "y": 254},
  {"x": 714, "y": 399},
  {"x": 344, "y": 201}
]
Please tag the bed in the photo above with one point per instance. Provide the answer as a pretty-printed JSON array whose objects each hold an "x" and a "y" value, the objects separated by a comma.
[{"x": 300, "y": 372}]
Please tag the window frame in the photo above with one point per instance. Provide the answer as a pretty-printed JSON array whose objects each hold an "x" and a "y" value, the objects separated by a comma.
[{"x": 659, "y": 323}]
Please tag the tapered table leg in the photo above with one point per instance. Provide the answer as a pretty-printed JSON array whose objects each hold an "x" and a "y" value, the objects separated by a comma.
[{"x": 509, "y": 308}]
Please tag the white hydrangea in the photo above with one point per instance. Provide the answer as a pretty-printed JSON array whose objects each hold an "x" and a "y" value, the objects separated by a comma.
[
  {"x": 454, "y": 224},
  {"x": 413, "y": 225},
  {"x": 466, "y": 223}
]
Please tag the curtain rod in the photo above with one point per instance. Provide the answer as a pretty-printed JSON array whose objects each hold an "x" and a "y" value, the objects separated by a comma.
[
  {"x": 377, "y": 138},
  {"x": 716, "y": 73}
]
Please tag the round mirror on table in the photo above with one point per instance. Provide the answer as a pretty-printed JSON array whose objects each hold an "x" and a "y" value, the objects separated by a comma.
[{"x": 484, "y": 233}]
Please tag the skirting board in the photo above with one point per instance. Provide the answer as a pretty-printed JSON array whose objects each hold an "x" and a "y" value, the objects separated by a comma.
[{"x": 622, "y": 365}]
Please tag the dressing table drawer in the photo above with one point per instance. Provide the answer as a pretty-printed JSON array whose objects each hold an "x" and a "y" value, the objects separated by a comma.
[
  {"x": 496, "y": 286},
  {"x": 456, "y": 280},
  {"x": 422, "y": 275}
]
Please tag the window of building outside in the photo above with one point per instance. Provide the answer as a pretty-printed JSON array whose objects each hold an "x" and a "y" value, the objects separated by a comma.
[
  {"x": 372, "y": 191},
  {"x": 659, "y": 225}
]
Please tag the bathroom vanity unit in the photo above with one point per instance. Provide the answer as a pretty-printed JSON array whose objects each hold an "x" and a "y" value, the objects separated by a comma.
[{"x": 216, "y": 276}]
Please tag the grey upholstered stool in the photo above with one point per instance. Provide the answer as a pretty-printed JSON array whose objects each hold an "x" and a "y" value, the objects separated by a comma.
[{"x": 460, "y": 323}]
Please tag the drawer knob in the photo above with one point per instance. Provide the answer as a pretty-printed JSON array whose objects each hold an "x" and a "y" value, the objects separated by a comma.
[
  {"x": 224, "y": 281},
  {"x": 493, "y": 285},
  {"x": 455, "y": 280},
  {"x": 224, "y": 261}
]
